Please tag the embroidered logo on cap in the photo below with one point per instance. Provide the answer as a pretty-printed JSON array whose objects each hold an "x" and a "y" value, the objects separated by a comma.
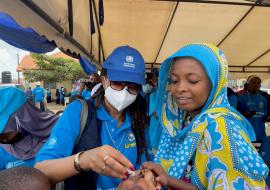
[
  {"x": 129, "y": 58},
  {"x": 129, "y": 62}
]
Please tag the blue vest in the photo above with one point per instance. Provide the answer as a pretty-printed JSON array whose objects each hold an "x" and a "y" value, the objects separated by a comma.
[{"x": 90, "y": 139}]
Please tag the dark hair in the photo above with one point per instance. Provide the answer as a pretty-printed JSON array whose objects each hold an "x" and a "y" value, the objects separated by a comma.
[
  {"x": 75, "y": 97},
  {"x": 137, "y": 112},
  {"x": 230, "y": 92},
  {"x": 23, "y": 178}
]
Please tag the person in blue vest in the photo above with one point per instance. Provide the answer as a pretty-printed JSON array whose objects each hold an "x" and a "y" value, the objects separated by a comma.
[
  {"x": 62, "y": 94},
  {"x": 29, "y": 94},
  {"x": 232, "y": 97},
  {"x": 114, "y": 140},
  {"x": 86, "y": 93},
  {"x": 155, "y": 127},
  {"x": 23, "y": 129},
  {"x": 39, "y": 94},
  {"x": 253, "y": 105},
  {"x": 74, "y": 91},
  {"x": 48, "y": 95}
]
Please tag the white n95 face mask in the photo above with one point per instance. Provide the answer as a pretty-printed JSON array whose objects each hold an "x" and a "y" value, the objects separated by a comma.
[{"x": 119, "y": 99}]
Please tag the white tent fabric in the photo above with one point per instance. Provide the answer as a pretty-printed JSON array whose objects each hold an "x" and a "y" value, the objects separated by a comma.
[{"x": 156, "y": 28}]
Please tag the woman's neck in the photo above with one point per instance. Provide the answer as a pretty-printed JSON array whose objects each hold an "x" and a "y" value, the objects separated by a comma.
[
  {"x": 193, "y": 114},
  {"x": 114, "y": 113}
]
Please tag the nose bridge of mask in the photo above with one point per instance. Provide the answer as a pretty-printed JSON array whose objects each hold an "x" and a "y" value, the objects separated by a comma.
[{"x": 126, "y": 88}]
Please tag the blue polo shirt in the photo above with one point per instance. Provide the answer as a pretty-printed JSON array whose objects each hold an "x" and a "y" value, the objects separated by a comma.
[
  {"x": 62, "y": 94},
  {"x": 86, "y": 94},
  {"x": 9, "y": 161},
  {"x": 233, "y": 100},
  {"x": 73, "y": 93},
  {"x": 122, "y": 139},
  {"x": 155, "y": 128},
  {"x": 258, "y": 103},
  {"x": 63, "y": 136},
  {"x": 66, "y": 130},
  {"x": 38, "y": 93},
  {"x": 48, "y": 94}
]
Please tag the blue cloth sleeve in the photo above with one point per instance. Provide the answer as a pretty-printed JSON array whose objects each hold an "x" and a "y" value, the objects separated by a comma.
[
  {"x": 2, "y": 165},
  {"x": 264, "y": 150},
  {"x": 63, "y": 136},
  {"x": 149, "y": 146}
]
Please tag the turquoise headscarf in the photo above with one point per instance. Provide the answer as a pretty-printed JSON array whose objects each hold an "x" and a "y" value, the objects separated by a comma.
[
  {"x": 217, "y": 140},
  {"x": 216, "y": 67},
  {"x": 10, "y": 100}
]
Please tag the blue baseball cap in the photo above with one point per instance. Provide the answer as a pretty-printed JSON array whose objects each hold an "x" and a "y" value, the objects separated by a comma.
[{"x": 125, "y": 64}]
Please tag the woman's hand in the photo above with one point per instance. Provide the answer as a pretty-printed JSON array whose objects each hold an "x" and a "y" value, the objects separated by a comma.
[
  {"x": 107, "y": 161},
  {"x": 143, "y": 180},
  {"x": 162, "y": 177}
]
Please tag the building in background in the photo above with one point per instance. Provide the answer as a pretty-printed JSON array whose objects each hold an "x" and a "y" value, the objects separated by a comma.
[{"x": 28, "y": 63}]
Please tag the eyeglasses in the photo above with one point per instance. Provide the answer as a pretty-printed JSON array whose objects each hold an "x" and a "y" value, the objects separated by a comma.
[{"x": 131, "y": 87}]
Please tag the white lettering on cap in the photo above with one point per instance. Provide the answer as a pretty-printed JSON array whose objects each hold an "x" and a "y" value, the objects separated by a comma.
[{"x": 129, "y": 62}]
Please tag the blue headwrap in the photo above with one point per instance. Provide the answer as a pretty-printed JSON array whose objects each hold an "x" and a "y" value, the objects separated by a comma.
[
  {"x": 216, "y": 67},
  {"x": 11, "y": 99},
  {"x": 217, "y": 140}
]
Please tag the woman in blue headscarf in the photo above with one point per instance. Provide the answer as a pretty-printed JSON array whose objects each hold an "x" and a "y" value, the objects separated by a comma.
[
  {"x": 23, "y": 128},
  {"x": 206, "y": 142}
]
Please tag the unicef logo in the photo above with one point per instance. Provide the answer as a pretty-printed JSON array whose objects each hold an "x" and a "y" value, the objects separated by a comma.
[
  {"x": 131, "y": 137},
  {"x": 129, "y": 58},
  {"x": 52, "y": 142},
  {"x": 9, "y": 165}
]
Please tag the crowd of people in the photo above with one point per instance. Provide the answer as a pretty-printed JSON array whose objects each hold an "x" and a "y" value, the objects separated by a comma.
[
  {"x": 176, "y": 128},
  {"x": 41, "y": 96}
]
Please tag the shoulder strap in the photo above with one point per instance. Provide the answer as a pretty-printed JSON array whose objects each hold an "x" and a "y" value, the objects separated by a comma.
[{"x": 83, "y": 119}]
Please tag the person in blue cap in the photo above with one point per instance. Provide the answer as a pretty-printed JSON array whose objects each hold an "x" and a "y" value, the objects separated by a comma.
[
  {"x": 114, "y": 140},
  {"x": 39, "y": 94},
  {"x": 23, "y": 128}
]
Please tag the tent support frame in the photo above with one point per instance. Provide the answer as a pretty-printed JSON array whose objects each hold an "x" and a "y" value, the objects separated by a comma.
[
  {"x": 166, "y": 32},
  {"x": 30, "y": 4},
  {"x": 260, "y": 4}
]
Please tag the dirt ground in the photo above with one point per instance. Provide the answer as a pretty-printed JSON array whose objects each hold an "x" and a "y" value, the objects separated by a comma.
[{"x": 55, "y": 107}]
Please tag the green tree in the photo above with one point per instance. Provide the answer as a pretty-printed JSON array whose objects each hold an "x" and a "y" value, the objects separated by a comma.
[{"x": 54, "y": 69}]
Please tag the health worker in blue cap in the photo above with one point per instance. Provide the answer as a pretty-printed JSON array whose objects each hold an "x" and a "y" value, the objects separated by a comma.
[{"x": 114, "y": 140}]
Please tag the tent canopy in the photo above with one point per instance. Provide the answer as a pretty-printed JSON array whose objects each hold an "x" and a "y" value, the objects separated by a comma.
[{"x": 156, "y": 28}]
